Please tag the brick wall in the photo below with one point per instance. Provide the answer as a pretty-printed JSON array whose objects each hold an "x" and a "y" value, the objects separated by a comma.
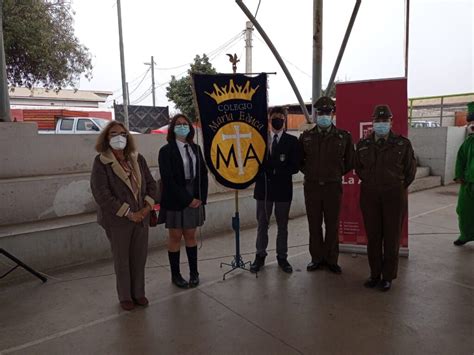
[{"x": 46, "y": 118}]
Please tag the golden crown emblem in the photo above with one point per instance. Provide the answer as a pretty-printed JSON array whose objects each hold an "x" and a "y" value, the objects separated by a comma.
[{"x": 233, "y": 92}]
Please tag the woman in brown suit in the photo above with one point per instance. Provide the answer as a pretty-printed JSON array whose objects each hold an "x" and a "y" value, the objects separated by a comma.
[{"x": 124, "y": 190}]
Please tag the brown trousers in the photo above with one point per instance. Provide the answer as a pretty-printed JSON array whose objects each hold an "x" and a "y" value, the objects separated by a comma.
[
  {"x": 384, "y": 210},
  {"x": 323, "y": 202},
  {"x": 129, "y": 250}
]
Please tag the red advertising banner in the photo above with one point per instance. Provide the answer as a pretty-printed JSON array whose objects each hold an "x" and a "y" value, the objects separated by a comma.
[{"x": 355, "y": 103}]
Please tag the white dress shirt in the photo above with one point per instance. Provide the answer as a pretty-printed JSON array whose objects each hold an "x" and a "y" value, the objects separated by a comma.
[
  {"x": 270, "y": 139},
  {"x": 184, "y": 156}
]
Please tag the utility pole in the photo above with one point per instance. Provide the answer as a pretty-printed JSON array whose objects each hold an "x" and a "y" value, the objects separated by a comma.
[
  {"x": 407, "y": 34},
  {"x": 280, "y": 61},
  {"x": 152, "y": 64},
  {"x": 4, "y": 98},
  {"x": 317, "y": 51},
  {"x": 128, "y": 93},
  {"x": 122, "y": 64},
  {"x": 248, "y": 47}
]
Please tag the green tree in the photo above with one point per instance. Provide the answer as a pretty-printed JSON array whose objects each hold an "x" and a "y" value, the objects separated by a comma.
[
  {"x": 180, "y": 90},
  {"x": 40, "y": 45}
]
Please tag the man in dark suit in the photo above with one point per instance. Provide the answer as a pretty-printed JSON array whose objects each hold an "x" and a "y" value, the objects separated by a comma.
[{"x": 274, "y": 187}]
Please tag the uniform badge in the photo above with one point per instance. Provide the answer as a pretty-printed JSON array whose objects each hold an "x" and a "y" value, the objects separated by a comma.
[{"x": 282, "y": 157}]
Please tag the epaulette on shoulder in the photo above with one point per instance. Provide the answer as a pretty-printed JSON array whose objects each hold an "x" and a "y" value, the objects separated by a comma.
[
  {"x": 402, "y": 140},
  {"x": 363, "y": 142}
]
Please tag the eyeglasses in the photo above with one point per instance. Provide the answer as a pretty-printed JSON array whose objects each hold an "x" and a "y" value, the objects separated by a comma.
[{"x": 115, "y": 134}]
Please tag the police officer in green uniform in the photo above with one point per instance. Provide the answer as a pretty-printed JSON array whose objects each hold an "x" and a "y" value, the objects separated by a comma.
[
  {"x": 385, "y": 162},
  {"x": 327, "y": 156}
]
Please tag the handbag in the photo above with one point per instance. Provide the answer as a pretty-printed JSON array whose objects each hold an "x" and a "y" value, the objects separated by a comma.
[
  {"x": 153, "y": 218},
  {"x": 159, "y": 190},
  {"x": 153, "y": 214}
]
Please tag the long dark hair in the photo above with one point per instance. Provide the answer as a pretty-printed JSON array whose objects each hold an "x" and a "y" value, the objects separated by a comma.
[{"x": 172, "y": 136}]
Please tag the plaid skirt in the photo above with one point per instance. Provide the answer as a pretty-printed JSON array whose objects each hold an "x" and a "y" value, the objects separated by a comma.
[{"x": 188, "y": 218}]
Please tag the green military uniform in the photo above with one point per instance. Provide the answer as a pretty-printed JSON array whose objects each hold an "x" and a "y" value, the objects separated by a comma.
[
  {"x": 386, "y": 167},
  {"x": 465, "y": 174},
  {"x": 327, "y": 156}
]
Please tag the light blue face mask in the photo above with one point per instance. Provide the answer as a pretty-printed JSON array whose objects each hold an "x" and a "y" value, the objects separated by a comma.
[
  {"x": 324, "y": 121},
  {"x": 381, "y": 128},
  {"x": 181, "y": 130}
]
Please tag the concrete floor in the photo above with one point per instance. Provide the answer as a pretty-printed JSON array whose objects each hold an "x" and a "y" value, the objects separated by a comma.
[{"x": 430, "y": 309}]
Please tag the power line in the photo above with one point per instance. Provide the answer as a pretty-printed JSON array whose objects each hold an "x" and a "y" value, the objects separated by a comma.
[
  {"x": 141, "y": 81},
  {"x": 230, "y": 43},
  {"x": 219, "y": 48},
  {"x": 143, "y": 96},
  {"x": 258, "y": 7},
  {"x": 286, "y": 60}
]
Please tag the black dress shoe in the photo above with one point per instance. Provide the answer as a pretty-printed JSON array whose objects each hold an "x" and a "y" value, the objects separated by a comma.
[
  {"x": 384, "y": 285},
  {"x": 257, "y": 264},
  {"x": 285, "y": 266},
  {"x": 314, "y": 265},
  {"x": 179, "y": 281},
  {"x": 335, "y": 268},
  {"x": 193, "y": 280},
  {"x": 372, "y": 282},
  {"x": 458, "y": 242}
]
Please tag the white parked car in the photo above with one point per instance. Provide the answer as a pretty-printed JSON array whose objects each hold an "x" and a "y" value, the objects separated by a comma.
[
  {"x": 425, "y": 124},
  {"x": 78, "y": 125}
]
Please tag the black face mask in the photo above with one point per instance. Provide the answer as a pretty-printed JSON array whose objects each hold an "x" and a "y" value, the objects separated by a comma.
[{"x": 277, "y": 123}]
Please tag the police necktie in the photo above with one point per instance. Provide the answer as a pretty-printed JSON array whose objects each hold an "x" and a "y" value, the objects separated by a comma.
[
  {"x": 190, "y": 162},
  {"x": 274, "y": 144}
]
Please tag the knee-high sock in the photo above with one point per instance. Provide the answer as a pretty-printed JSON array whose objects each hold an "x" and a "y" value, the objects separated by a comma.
[
  {"x": 192, "y": 260},
  {"x": 173, "y": 257}
]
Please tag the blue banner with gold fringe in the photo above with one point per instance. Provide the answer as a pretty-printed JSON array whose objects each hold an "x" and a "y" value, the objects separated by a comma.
[{"x": 233, "y": 115}]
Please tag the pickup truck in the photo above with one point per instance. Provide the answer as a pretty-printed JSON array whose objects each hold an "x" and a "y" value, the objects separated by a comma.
[{"x": 78, "y": 125}]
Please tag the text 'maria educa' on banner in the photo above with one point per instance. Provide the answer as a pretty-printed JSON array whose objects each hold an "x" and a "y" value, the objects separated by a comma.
[{"x": 233, "y": 114}]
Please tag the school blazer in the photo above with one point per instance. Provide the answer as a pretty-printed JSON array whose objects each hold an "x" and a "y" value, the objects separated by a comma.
[
  {"x": 274, "y": 181},
  {"x": 174, "y": 196}
]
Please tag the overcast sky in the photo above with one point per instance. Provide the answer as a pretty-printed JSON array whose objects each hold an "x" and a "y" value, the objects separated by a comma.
[{"x": 441, "y": 42}]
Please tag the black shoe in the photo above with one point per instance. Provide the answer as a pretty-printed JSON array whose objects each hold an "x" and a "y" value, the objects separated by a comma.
[
  {"x": 335, "y": 268},
  {"x": 458, "y": 242},
  {"x": 314, "y": 265},
  {"x": 179, "y": 281},
  {"x": 258, "y": 263},
  {"x": 193, "y": 280},
  {"x": 372, "y": 282},
  {"x": 384, "y": 285},
  {"x": 285, "y": 266}
]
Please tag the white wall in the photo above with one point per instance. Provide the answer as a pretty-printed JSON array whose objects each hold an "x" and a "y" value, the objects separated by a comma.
[
  {"x": 47, "y": 214},
  {"x": 437, "y": 148}
]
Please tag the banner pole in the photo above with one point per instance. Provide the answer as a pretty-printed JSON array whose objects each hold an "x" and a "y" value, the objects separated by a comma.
[{"x": 237, "y": 263}]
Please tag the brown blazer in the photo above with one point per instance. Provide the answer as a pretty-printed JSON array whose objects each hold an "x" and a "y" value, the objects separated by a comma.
[{"x": 113, "y": 192}]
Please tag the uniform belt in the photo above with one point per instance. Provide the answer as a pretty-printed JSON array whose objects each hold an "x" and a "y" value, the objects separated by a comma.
[{"x": 322, "y": 183}]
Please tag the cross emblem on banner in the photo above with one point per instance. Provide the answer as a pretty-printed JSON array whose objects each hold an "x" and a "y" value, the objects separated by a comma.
[{"x": 238, "y": 136}]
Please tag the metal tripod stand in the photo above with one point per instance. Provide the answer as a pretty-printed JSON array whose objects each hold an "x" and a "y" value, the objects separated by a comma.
[
  {"x": 237, "y": 262},
  {"x": 19, "y": 263}
]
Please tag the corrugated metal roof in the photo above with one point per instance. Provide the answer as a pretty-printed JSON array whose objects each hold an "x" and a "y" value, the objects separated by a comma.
[{"x": 62, "y": 95}]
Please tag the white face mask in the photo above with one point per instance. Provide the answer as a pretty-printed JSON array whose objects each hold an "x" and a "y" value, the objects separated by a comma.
[{"x": 118, "y": 142}]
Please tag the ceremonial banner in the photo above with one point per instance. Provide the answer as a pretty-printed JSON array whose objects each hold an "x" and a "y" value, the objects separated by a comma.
[
  {"x": 355, "y": 103},
  {"x": 233, "y": 114}
]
